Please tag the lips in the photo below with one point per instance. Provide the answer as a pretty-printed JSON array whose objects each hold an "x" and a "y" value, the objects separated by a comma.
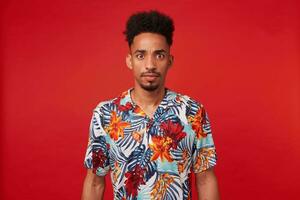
[{"x": 150, "y": 75}]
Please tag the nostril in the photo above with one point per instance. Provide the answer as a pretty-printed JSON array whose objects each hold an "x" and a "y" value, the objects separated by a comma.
[{"x": 150, "y": 67}]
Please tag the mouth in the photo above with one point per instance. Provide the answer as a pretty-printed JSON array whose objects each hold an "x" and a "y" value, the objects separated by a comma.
[
  {"x": 150, "y": 74},
  {"x": 150, "y": 77}
]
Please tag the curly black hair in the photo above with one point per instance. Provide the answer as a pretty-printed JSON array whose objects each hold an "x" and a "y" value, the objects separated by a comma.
[{"x": 152, "y": 22}]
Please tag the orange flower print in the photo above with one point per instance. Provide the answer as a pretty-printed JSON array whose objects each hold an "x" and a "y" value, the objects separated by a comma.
[
  {"x": 202, "y": 159},
  {"x": 161, "y": 148},
  {"x": 124, "y": 94},
  {"x": 185, "y": 154},
  {"x": 116, "y": 173},
  {"x": 181, "y": 165},
  {"x": 137, "y": 136},
  {"x": 137, "y": 110},
  {"x": 197, "y": 123},
  {"x": 161, "y": 185},
  {"x": 116, "y": 126},
  {"x": 173, "y": 133}
]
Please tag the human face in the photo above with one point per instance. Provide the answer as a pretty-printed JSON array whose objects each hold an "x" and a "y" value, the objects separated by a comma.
[{"x": 149, "y": 59}]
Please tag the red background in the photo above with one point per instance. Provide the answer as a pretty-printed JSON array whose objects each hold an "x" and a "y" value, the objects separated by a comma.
[{"x": 60, "y": 58}]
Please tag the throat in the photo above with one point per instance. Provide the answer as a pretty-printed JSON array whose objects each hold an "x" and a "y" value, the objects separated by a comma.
[
  {"x": 149, "y": 110},
  {"x": 147, "y": 101}
]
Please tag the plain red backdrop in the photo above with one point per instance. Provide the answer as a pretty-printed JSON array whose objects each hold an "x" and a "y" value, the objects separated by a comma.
[{"x": 60, "y": 58}]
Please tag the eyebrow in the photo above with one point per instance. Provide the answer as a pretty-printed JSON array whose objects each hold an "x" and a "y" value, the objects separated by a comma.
[
  {"x": 139, "y": 51},
  {"x": 143, "y": 51},
  {"x": 160, "y": 51}
]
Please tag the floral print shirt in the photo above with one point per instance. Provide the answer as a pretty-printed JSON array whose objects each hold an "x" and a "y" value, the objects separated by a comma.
[{"x": 150, "y": 158}]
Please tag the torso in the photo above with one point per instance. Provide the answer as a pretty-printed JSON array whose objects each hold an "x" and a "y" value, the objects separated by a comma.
[{"x": 150, "y": 152}]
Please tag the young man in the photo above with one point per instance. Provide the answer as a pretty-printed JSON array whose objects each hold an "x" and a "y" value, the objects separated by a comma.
[{"x": 150, "y": 138}]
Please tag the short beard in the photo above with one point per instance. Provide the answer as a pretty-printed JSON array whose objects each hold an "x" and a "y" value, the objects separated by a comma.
[{"x": 149, "y": 88}]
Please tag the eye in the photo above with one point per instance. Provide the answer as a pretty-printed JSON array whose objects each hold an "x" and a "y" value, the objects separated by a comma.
[
  {"x": 160, "y": 56},
  {"x": 139, "y": 56}
]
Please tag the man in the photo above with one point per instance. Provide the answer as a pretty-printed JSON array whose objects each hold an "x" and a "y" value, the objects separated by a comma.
[{"x": 150, "y": 138}]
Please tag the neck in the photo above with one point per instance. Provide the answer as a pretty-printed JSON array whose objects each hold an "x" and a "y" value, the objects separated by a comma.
[{"x": 146, "y": 98}]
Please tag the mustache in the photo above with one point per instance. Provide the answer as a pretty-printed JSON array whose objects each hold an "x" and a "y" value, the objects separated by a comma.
[{"x": 150, "y": 73}]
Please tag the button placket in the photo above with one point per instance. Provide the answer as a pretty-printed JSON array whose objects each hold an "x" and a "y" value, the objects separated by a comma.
[{"x": 149, "y": 123}]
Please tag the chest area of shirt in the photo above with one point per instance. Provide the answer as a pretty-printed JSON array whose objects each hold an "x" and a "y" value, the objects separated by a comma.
[{"x": 165, "y": 135}]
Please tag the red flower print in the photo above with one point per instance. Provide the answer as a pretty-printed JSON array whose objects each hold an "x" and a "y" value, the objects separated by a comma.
[
  {"x": 134, "y": 179},
  {"x": 161, "y": 145},
  {"x": 126, "y": 107},
  {"x": 173, "y": 131},
  {"x": 178, "y": 98},
  {"x": 98, "y": 159}
]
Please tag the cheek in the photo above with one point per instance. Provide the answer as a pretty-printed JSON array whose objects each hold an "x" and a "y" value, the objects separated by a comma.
[
  {"x": 164, "y": 67},
  {"x": 136, "y": 70},
  {"x": 136, "y": 64}
]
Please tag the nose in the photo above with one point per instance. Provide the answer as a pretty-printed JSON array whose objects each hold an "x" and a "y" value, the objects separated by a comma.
[{"x": 150, "y": 63}]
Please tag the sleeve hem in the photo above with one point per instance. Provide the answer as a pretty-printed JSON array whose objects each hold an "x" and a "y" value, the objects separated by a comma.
[{"x": 204, "y": 169}]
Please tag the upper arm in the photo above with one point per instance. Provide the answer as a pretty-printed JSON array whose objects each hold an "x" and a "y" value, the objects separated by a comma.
[
  {"x": 97, "y": 152},
  {"x": 93, "y": 187},
  {"x": 96, "y": 160},
  {"x": 207, "y": 185},
  {"x": 204, "y": 154},
  {"x": 94, "y": 179},
  {"x": 205, "y": 176}
]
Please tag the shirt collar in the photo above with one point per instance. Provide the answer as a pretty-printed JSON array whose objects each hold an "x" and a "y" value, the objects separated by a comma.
[{"x": 167, "y": 101}]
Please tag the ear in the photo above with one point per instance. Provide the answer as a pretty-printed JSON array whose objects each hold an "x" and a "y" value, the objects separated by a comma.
[
  {"x": 128, "y": 61},
  {"x": 171, "y": 60}
]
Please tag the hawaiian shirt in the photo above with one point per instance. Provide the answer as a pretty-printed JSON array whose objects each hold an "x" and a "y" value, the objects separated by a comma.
[{"x": 150, "y": 158}]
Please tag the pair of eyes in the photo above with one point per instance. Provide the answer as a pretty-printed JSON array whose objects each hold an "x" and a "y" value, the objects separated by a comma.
[{"x": 159, "y": 56}]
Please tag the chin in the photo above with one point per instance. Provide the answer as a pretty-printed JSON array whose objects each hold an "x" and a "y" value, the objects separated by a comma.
[{"x": 150, "y": 88}]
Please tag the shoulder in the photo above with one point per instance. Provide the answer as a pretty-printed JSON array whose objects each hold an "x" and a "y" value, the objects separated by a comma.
[
  {"x": 191, "y": 106},
  {"x": 185, "y": 99},
  {"x": 103, "y": 104},
  {"x": 108, "y": 105}
]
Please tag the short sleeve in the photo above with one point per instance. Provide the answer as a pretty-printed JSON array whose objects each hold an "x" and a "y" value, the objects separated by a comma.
[
  {"x": 97, "y": 153},
  {"x": 204, "y": 151}
]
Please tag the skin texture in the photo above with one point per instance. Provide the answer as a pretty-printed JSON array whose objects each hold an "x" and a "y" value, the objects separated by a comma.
[
  {"x": 149, "y": 59},
  {"x": 207, "y": 185},
  {"x": 93, "y": 186}
]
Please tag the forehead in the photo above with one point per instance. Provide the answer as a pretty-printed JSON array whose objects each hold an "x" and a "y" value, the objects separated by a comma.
[{"x": 149, "y": 41}]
